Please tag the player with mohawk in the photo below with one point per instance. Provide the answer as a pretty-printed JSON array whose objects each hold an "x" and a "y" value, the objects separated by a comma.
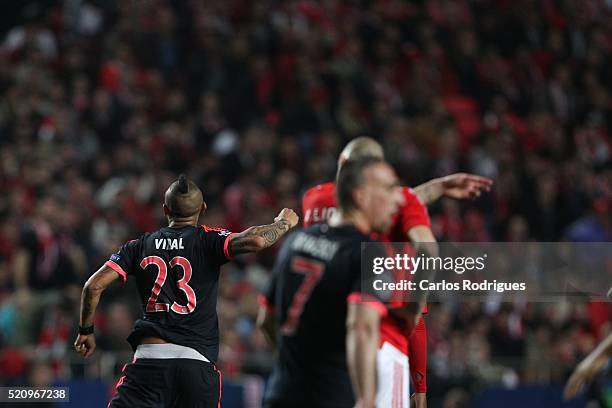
[{"x": 176, "y": 269}]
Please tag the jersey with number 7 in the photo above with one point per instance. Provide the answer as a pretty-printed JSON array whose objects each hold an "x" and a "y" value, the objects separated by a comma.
[
  {"x": 177, "y": 274},
  {"x": 317, "y": 272}
]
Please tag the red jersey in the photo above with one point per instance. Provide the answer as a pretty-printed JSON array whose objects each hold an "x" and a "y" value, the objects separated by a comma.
[{"x": 319, "y": 205}]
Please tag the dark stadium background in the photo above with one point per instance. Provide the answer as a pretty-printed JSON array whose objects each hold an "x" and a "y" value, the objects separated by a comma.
[{"x": 105, "y": 102}]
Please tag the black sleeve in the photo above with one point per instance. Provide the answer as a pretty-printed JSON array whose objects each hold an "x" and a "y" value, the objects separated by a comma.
[
  {"x": 216, "y": 244},
  {"x": 123, "y": 260},
  {"x": 363, "y": 288}
]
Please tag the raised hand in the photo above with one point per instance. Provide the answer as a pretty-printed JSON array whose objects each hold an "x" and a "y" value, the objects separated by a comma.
[
  {"x": 461, "y": 186},
  {"x": 288, "y": 215}
]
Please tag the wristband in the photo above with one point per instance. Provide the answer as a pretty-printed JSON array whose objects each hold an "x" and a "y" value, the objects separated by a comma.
[{"x": 86, "y": 330}]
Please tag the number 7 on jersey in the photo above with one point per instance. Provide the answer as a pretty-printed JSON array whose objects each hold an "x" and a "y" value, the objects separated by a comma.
[{"x": 312, "y": 271}]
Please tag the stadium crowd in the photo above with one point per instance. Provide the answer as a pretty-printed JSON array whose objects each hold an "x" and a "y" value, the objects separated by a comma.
[{"x": 105, "y": 102}]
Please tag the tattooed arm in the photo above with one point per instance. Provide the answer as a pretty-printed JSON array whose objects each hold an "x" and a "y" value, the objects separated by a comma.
[
  {"x": 260, "y": 237},
  {"x": 85, "y": 344}
]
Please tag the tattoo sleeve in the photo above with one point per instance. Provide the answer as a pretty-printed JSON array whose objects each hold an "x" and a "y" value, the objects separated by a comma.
[{"x": 257, "y": 238}]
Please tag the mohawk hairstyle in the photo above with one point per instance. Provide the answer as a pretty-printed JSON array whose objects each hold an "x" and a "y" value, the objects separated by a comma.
[
  {"x": 183, "y": 198},
  {"x": 183, "y": 184}
]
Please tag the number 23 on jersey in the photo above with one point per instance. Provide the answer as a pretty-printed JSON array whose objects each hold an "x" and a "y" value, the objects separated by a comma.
[{"x": 183, "y": 284}]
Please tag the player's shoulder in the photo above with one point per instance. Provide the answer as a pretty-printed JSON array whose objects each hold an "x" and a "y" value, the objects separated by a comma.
[
  {"x": 329, "y": 186},
  {"x": 130, "y": 246},
  {"x": 410, "y": 196},
  {"x": 322, "y": 230},
  {"x": 320, "y": 190},
  {"x": 325, "y": 242},
  {"x": 408, "y": 191},
  {"x": 206, "y": 230},
  {"x": 137, "y": 240},
  {"x": 350, "y": 240},
  {"x": 347, "y": 236}
]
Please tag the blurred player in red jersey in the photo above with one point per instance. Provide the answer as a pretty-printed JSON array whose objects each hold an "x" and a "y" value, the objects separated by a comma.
[{"x": 411, "y": 223}]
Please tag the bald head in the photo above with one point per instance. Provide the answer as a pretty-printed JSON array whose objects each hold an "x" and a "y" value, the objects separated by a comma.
[
  {"x": 183, "y": 199},
  {"x": 360, "y": 148}
]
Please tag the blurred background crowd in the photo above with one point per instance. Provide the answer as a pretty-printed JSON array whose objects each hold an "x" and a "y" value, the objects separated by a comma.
[{"x": 105, "y": 102}]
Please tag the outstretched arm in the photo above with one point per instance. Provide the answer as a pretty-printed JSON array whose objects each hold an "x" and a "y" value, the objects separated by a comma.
[
  {"x": 459, "y": 186},
  {"x": 85, "y": 344},
  {"x": 588, "y": 368},
  {"x": 255, "y": 239}
]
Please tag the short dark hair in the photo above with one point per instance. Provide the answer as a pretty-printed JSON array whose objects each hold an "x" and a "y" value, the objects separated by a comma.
[{"x": 350, "y": 177}]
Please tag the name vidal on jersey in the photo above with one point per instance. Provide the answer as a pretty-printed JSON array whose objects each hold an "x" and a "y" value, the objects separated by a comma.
[{"x": 169, "y": 243}]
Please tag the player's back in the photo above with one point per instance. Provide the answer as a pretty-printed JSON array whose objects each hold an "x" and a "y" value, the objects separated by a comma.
[
  {"x": 318, "y": 268},
  {"x": 319, "y": 204},
  {"x": 176, "y": 272}
]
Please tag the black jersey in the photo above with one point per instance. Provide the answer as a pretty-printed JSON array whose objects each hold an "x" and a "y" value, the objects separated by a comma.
[
  {"x": 318, "y": 271},
  {"x": 177, "y": 274}
]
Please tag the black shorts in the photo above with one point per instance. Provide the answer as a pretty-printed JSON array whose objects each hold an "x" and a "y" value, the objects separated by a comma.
[{"x": 175, "y": 382}]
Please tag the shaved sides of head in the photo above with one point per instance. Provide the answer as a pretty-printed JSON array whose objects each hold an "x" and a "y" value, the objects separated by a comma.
[
  {"x": 359, "y": 148},
  {"x": 183, "y": 198}
]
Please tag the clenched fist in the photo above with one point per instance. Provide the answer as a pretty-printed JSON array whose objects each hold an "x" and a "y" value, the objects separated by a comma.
[
  {"x": 288, "y": 215},
  {"x": 85, "y": 344}
]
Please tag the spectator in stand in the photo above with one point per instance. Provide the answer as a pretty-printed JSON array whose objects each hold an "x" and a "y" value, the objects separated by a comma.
[{"x": 256, "y": 99}]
